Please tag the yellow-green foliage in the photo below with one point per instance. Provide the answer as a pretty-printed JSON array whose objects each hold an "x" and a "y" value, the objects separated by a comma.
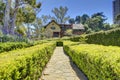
[
  {"x": 96, "y": 61},
  {"x": 25, "y": 64},
  {"x": 8, "y": 46},
  {"x": 70, "y": 43}
]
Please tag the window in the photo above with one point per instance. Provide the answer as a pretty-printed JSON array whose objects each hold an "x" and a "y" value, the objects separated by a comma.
[{"x": 53, "y": 28}]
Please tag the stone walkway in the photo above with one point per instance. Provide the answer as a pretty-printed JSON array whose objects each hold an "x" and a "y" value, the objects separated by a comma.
[{"x": 60, "y": 67}]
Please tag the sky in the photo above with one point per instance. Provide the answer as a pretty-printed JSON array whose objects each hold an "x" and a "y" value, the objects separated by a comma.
[{"x": 79, "y": 7}]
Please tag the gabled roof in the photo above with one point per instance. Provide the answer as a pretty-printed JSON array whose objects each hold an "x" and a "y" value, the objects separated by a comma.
[
  {"x": 78, "y": 26},
  {"x": 51, "y": 22}
]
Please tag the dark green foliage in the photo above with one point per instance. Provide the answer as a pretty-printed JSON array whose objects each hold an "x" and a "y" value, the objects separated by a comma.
[
  {"x": 84, "y": 18},
  {"x": 78, "y": 19},
  {"x": 111, "y": 37},
  {"x": 59, "y": 43},
  {"x": 71, "y": 21}
]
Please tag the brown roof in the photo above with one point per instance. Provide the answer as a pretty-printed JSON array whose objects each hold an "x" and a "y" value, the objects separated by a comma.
[{"x": 66, "y": 25}]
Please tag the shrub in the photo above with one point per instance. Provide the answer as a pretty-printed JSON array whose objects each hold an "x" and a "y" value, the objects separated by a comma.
[
  {"x": 96, "y": 61},
  {"x": 59, "y": 43},
  {"x": 65, "y": 38},
  {"x": 8, "y": 46},
  {"x": 111, "y": 37},
  {"x": 25, "y": 64},
  {"x": 11, "y": 38},
  {"x": 75, "y": 39},
  {"x": 6, "y": 38},
  {"x": 83, "y": 39},
  {"x": 70, "y": 43}
]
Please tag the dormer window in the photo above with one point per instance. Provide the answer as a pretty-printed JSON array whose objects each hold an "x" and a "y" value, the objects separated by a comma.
[{"x": 53, "y": 28}]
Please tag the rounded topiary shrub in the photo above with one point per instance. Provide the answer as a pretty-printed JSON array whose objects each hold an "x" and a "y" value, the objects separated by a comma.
[{"x": 59, "y": 43}]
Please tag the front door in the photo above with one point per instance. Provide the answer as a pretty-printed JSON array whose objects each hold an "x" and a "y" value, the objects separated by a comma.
[{"x": 55, "y": 34}]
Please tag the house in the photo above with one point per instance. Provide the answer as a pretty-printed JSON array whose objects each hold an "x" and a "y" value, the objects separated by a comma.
[
  {"x": 53, "y": 29},
  {"x": 78, "y": 29}
]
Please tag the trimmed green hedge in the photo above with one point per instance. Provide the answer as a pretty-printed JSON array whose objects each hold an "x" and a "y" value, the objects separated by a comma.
[
  {"x": 8, "y": 46},
  {"x": 96, "y": 61},
  {"x": 25, "y": 64},
  {"x": 111, "y": 37},
  {"x": 75, "y": 38},
  {"x": 59, "y": 43}
]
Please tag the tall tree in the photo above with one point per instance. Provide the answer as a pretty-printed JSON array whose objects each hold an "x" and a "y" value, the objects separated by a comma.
[
  {"x": 29, "y": 17},
  {"x": 78, "y": 19},
  {"x": 7, "y": 17},
  {"x": 84, "y": 18},
  {"x": 19, "y": 4},
  {"x": 37, "y": 27},
  {"x": 107, "y": 26},
  {"x": 45, "y": 19},
  {"x": 14, "y": 17},
  {"x": 2, "y": 9},
  {"x": 102, "y": 18},
  {"x": 71, "y": 21},
  {"x": 95, "y": 23},
  {"x": 21, "y": 30},
  {"x": 60, "y": 14},
  {"x": 98, "y": 14}
]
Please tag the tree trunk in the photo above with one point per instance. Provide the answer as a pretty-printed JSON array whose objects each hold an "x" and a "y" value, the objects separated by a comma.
[
  {"x": 14, "y": 18},
  {"x": 7, "y": 18},
  {"x": 28, "y": 32}
]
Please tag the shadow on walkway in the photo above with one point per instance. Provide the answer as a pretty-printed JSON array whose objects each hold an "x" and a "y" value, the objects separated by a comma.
[{"x": 79, "y": 73}]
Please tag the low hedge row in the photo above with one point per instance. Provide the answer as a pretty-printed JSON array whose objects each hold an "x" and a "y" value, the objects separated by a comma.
[
  {"x": 96, "y": 61},
  {"x": 111, "y": 37},
  {"x": 75, "y": 38},
  {"x": 8, "y": 46},
  {"x": 70, "y": 43},
  {"x": 25, "y": 64}
]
